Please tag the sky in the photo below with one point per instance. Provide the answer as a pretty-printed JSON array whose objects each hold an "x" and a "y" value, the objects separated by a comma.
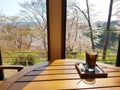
[
  {"x": 11, "y": 7},
  {"x": 100, "y": 8}
]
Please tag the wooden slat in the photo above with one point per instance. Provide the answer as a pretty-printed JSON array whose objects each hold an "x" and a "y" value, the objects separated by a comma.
[
  {"x": 67, "y": 84},
  {"x": 50, "y": 72},
  {"x": 105, "y": 88},
  {"x": 49, "y": 77},
  {"x": 18, "y": 67}
]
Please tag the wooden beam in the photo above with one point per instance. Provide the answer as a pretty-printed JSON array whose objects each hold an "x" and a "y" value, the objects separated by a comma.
[
  {"x": 54, "y": 29},
  {"x": 1, "y": 71},
  {"x": 118, "y": 55}
]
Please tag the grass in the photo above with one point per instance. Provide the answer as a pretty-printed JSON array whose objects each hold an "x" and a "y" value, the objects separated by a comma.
[{"x": 110, "y": 59}]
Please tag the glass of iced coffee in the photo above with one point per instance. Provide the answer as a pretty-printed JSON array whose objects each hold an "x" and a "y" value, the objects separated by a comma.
[{"x": 91, "y": 58}]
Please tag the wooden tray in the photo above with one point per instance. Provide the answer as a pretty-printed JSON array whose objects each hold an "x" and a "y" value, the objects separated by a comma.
[{"x": 84, "y": 73}]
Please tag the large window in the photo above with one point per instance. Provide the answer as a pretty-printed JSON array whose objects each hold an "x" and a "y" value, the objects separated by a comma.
[
  {"x": 86, "y": 26},
  {"x": 23, "y": 31}
]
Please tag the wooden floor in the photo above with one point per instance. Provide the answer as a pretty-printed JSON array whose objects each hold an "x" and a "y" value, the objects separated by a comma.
[{"x": 61, "y": 75}]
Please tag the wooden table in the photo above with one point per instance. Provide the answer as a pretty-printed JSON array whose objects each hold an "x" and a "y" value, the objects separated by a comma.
[{"x": 62, "y": 75}]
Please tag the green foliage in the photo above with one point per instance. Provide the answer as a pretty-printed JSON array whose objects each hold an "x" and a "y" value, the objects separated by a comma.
[
  {"x": 24, "y": 59},
  {"x": 110, "y": 59},
  {"x": 21, "y": 57},
  {"x": 11, "y": 55},
  {"x": 113, "y": 37}
]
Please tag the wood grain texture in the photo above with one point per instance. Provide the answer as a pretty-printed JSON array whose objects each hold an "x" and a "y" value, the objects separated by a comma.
[{"x": 62, "y": 75}]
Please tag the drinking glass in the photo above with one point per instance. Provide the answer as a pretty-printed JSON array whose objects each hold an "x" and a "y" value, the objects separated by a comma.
[{"x": 91, "y": 58}]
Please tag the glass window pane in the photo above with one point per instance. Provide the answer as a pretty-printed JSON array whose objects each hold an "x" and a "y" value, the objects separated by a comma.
[
  {"x": 92, "y": 16},
  {"x": 23, "y": 31}
]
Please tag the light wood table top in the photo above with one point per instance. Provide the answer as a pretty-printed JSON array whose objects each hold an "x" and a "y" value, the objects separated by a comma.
[{"x": 61, "y": 75}]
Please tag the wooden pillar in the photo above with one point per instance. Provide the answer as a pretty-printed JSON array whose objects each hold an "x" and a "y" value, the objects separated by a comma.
[
  {"x": 118, "y": 55},
  {"x": 55, "y": 30},
  {"x": 1, "y": 71}
]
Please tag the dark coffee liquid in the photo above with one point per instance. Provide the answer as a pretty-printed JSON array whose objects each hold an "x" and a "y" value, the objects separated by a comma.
[{"x": 91, "y": 58}]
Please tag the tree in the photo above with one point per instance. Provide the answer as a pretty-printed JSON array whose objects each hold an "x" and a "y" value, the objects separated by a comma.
[
  {"x": 87, "y": 17},
  {"x": 14, "y": 35},
  {"x": 34, "y": 12},
  {"x": 112, "y": 39},
  {"x": 89, "y": 23},
  {"x": 107, "y": 30},
  {"x": 73, "y": 28}
]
